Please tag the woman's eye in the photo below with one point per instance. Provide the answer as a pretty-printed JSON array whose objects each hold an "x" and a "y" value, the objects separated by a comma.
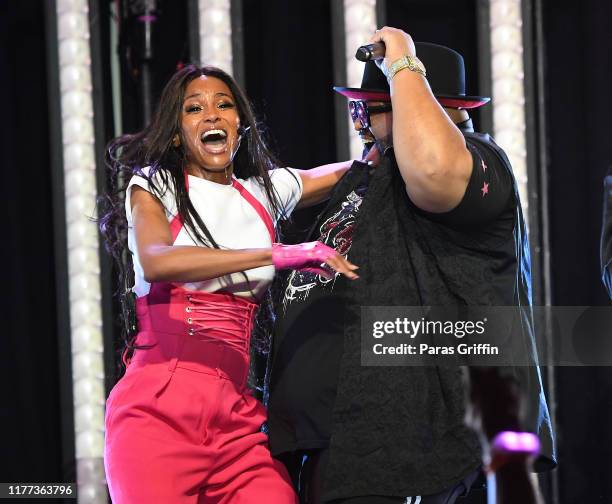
[
  {"x": 225, "y": 105},
  {"x": 193, "y": 108}
]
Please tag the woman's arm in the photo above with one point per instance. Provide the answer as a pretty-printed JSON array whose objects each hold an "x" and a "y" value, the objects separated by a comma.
[
  {"x": 161, "y": 261},
  {"x": 318, "y": 182}
]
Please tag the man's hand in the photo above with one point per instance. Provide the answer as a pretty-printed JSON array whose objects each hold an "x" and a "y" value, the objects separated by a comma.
[{"x": 397, "y": 42}]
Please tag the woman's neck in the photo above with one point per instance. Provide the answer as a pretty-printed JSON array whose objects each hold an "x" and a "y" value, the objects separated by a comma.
[{"x": 218, "y": 176}]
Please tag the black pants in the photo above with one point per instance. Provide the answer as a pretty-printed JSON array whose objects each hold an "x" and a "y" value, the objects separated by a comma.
[{"x": 307, "y": 470}]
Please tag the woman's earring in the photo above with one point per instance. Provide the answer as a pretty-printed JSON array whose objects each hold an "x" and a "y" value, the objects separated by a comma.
[{"x": 176, "y": 141}]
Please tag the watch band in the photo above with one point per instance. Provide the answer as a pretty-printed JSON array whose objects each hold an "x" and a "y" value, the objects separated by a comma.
[{"x": 412, "y": 63}]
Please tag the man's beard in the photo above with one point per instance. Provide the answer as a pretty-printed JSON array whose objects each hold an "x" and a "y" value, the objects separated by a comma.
[{"x": 367, "y": 139}]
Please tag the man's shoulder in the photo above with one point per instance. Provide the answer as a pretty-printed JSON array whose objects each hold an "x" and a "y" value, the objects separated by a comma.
[
  {"x": 478, "y": 134},
  {"x": 484, "y": 140}
]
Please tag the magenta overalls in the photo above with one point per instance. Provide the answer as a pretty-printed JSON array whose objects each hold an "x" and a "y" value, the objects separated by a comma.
[{"x": 181, "y": 424}]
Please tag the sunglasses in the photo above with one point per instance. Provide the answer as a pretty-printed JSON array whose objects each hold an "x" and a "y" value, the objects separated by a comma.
[{"x": 362, "y": 111}]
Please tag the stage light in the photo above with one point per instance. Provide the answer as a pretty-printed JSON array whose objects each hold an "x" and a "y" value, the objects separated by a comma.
[
  {"x": 508, "y": 87},
  {"x": 76, "y": 156},
  {"x": 216, "y": 34},
  {"x": 72, "y": 21},
  {"x": 77, "y": 104},
  {"x": 76, "y": 129},
  {"x": 73, "y": 49},
  {"x": 81, "y": 285},
  {"x": 82, "y": 244},
  {"x": 359, "y": 26},
  {"x": 84, "y": 364},
  {"x": 74, "y": 76},
  {"x": 86, "y": 340},
  {"x": 81, "y": 232},
  {"x": 89, "y": 443},
  {"x": 80, "y": 258}
]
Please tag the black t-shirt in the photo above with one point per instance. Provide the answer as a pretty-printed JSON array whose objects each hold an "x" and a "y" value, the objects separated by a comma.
[
  {"x": 308, "y": 339},
  {"x": 307, "y": 350}
]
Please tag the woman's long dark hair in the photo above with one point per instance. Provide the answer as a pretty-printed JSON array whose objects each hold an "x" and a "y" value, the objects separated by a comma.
[{"x": 153, "y": 147}]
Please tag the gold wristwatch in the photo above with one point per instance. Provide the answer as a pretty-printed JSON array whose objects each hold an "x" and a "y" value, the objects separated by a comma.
[{"x": 412, "y": 63}]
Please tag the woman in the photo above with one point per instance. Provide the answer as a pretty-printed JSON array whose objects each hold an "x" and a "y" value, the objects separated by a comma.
[{"x": 201, "y": 205}]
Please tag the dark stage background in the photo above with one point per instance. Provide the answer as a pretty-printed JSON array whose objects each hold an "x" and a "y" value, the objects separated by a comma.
[
  {"x": 579, "y": 73},
  {"x": 293, "y": 95}
]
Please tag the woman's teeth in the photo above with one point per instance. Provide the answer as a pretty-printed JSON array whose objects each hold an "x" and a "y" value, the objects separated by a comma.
[
  {"x": 214, "y": 135},
  {"x": 214, "y": 141}
]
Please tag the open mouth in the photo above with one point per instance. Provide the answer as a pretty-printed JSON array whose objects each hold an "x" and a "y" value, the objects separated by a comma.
[{"x": 214, "y": 141}]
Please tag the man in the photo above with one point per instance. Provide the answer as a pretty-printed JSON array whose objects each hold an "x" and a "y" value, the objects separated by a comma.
[
  {"x": 606, "y": 236},
  {"x": 438, "y": 222}
]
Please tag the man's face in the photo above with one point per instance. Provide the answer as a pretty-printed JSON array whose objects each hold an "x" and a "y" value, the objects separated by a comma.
[{"x": 379, "y": 117}]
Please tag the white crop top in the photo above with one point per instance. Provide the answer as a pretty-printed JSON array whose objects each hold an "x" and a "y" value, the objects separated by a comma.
[{"x": 231, "y": 220}]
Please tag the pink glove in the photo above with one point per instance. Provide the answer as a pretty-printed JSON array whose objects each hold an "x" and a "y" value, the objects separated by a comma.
[{"x": 309, "y": 256}]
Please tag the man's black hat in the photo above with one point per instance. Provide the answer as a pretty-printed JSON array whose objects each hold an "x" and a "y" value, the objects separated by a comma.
[{"x": 445, "y": 74}]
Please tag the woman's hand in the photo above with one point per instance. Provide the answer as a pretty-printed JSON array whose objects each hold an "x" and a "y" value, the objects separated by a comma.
[{"x": 313, "y": 257}]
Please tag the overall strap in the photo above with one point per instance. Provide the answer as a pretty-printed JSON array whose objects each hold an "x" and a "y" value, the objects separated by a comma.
[
  {"x": 176, "y": 224},
  {"x": 258, "y": 207}
]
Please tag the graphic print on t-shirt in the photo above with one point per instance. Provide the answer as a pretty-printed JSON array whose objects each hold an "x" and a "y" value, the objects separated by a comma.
[{"x": 337, "y": 233}]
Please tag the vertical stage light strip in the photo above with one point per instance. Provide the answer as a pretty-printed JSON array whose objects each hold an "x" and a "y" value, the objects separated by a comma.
[
  {"x": 82, "y": 243},
  {"x": 507, "y": 70},
  {"x": 216, "y": 34},
  {"x": 359, "y": 25}
]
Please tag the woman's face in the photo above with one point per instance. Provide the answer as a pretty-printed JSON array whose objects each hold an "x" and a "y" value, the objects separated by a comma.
[{"x": 209, "y": 125}]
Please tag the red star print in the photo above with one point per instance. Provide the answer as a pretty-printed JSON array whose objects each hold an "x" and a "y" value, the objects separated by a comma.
[
  {"x": 485, "y": 189},
  {"x": 484, "y": 166}
]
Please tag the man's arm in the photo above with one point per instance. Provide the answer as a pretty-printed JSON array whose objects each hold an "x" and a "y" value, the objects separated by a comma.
[
  {"x": 430, "y": 150},
  {"x": 606, "y": 235}
]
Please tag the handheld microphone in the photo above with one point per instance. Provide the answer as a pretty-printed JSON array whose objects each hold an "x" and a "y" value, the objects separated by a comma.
[{"x": 371, "y": 52}]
